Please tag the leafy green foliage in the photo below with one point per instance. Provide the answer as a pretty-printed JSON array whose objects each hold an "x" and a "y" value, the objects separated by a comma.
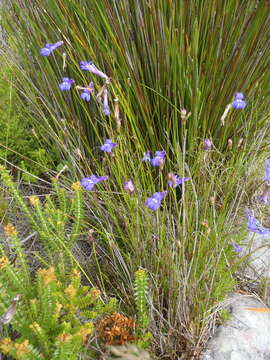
[
  {"x": 54, "y": 316},
  {"x": 58, "y": 223}
]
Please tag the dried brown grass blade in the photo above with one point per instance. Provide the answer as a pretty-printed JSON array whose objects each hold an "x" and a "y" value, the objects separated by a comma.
[{"x": 261, "y": 310}]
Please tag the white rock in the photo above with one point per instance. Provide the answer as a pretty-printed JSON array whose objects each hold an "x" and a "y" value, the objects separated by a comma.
[{"x": 246, "y": 336}]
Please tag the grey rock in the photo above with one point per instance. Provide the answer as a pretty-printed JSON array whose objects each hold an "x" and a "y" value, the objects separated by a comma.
[
  {"x": 257, "y": 247},
  {"x": 245, "y": 336}
]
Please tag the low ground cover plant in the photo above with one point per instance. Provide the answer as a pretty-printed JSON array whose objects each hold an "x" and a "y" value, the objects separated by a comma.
[{"x": 160, "y": 112}]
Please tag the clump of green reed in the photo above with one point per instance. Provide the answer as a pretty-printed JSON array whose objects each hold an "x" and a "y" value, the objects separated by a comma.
[
  {"x": 58, "y": 220},
  {"x": 185, "y": 246},
  {"x": 163, "y": 58},
  {"x": 51, "y": 316}
]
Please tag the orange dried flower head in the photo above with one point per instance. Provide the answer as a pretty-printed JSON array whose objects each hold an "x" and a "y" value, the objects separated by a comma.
[
  {"x": 22, "y": 349},
  {"x": 34, "y": 200},
  {"x": 47, "y": 275},
  {"x": 116, "y": 329},
  {"x": 5, "y": 345},
  {"x": 10, "y": 230},
  {"x": 3, "y": 262}
]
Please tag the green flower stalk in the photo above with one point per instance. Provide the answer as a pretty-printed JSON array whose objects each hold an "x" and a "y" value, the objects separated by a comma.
[
  {"x": 61, "y": 195},
  {"x": 141, "y": 290},
  {"x": 77, "y": 212}
]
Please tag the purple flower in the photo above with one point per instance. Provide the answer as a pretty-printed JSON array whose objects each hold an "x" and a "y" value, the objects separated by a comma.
[
  {"x": 86, "y": 93},
  {"x": 89, "y": 182},
  {"x": 146, "y": 156},
  {"x": 207, "y": 144},
  {"x": 108, "y": 146},
  {"x": 49, "y": 48},
  {"x": 267, "y": 171},
  {"x": 263, "y": 199},
  {"x": 265, "y": 195},
  {"x": 175, "y": 180},
  {"x": 159, "y": 158},
  {"x": 236, "y": 247},
  {"x": 66, "y": 84},
  {"x": 129, "y": 186},
  {"x": 106, "y": 109},
  {"x": 239, "y": 102},
  {"x": 154, "y": 201},
  {"x": 84, "y": 65},
  {"x": 254, "y": 225},
  {"x": 239, "y": 96}
]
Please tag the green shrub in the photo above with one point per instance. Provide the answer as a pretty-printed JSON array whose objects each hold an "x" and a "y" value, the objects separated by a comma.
[
  {"x": 58, "y": 222},
  {"x": 51, "y": 315}
]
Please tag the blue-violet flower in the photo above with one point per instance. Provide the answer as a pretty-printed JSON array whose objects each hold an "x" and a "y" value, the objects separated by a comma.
[
  {"x": 66, "y": 84},
  {"x": 236, "y": 247},
  {"x": 254, "y": 225},
  {"x": 207, "y": 144},
  {"x": 84, "y": 65},
  {"x": 86, "y": 93},
  {"x": 129, "y": 186},
  {"x": 175, "y": 180},
  {"x": 159, "y": 158},
  {"x": 267, "y": 171},
  {"x": 108, "y": 146},
  {"x": 106, "y": 109},
  {"x": 239, "y": 102},
  {"x": 49, "y": 48},
  {"x": 265, "y": 197},
  {"x": 89, "y": 182},
  {"x": 154, "y": 201},
  {"x": 146, "y": 157}
]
